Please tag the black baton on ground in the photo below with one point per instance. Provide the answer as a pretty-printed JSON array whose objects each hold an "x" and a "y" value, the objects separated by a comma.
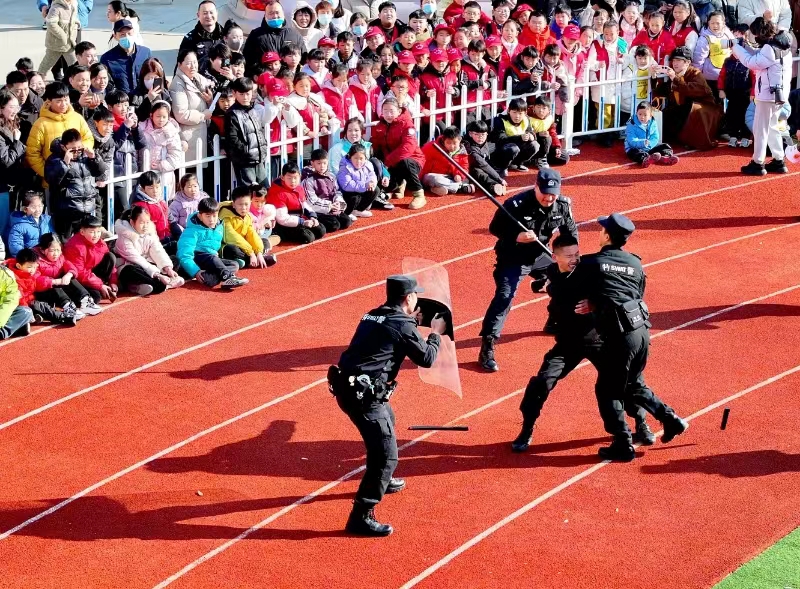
[
  {"x": 491, "y": 197},
  {"x": 451, "y": 428}
]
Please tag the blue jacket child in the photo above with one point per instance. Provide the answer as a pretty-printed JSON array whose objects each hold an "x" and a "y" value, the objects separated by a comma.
[
  {"x": 636, "y": 133},
  {"x": 198, "y": 238},
  {"x": 26, "y": 230}
]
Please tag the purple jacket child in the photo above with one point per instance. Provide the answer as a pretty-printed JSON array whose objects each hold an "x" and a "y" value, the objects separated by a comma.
[
  {"x": 355, "y": 180},
  {"x": 321, "y": 191}
]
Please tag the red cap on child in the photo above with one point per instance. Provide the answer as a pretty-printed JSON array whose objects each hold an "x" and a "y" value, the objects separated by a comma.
[
  {"x": 406, "y": 57},
  {"x": 420, "y": 49},
  {"x": 326, "y": 42},
  {"x": 277, "y": 88},
  {"x": 270, "y": 56},
  {"x": 493, "y": 41},
  {"x": 572, "y": 32},
  {"x": 438, "y": 55},
  {"x": 454, "y": 54},
  {"x": 373, "y": 32},
  {"x": 444, "y": 27},
  {"x": 265, "y": 79},
  {"x": 520, "y": 9}
]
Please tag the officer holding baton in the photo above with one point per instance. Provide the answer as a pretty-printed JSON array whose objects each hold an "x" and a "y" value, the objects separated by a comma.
[{"x": 364, "y": 381}]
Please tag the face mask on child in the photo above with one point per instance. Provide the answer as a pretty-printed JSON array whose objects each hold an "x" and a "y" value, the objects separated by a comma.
[
  {"x": 324, "y": 19},
  {"x": 429, "y": 8},
  {"x": 359, "y": 30}
]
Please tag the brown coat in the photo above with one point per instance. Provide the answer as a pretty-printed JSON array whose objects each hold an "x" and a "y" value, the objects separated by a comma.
[
  {"x": 62, "y": 26},
  {"x": 692, "y": 116}
]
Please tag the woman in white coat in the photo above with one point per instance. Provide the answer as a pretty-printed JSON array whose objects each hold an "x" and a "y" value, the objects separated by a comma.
[
  {"x": 777, "y": 11},
  {"x": 191, "y": 96},
  {"x": 772, "y": 65}
]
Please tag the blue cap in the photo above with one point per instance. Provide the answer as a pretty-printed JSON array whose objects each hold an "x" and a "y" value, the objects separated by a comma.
[
  {"x": 549, "y": 181},
  {"x": 400, "y": 285},
  {"x": 619, "y": 227}
]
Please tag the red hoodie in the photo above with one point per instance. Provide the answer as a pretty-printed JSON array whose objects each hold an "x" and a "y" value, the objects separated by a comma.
[
  {"x": 436, "y": 163},
  {"x": 282, "y": 197},
  {"x": 85, "y": 255},
  {"x": 432, "y": 79},
  {"x": 453, "y": 12},
  {"x": 661, "y": 46},
  {"x": 396, "y": 141},
  {"x": 27, "y": 283},
  {"x": 538, "y": 40}
]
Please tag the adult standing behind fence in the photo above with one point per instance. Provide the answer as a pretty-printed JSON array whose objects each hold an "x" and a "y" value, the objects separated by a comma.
[
  {"x": 117, "y": 11},
  {"x": 772, "y": 65},
  {"x": 205, "y": 33},
  {"x": 272, "y": 35},
  {"x": 62, "y": 34},
  {"x": 124, "y": 62},
  {"x": 191, "y": 95}
]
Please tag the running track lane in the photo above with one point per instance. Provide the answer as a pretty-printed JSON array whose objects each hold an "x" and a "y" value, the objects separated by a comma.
[
  {"x": 60, "y": 457},
  {"x": 252, "y": 505}
]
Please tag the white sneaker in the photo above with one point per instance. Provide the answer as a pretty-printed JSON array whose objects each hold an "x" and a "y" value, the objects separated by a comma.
[
  {"x": 572, "y": 151},
  {"x": 733, "y": 141},
  {"x": 91, "y": 308},
  {"x": 745, "y": 143},
  {"x": 176, "y": 282},
  {"x": 352, "y": 217},
  {"x": 439, "y": 190},
  {"x": 362, "y": 214},
  {"x": 141, "y": 289}
]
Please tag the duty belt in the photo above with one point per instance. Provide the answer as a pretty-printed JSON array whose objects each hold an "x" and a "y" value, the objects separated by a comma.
[{"x": 360, "y": 386}]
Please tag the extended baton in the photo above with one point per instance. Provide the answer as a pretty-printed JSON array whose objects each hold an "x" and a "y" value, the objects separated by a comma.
[{"x": 491, "y": 197}]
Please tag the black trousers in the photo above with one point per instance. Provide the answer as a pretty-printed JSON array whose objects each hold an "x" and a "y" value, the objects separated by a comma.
[
  {"x": 360, "y": 201},
  {"x": 562, "y": 359},
  {"x": 548, "y": 152},
  {"x": 47, "y": 311},
  {"x": 735, "y": 115},
  {"x": 408, "y": 170},
  {"x": 300, "y": 234},
  {"x": 59, "y": 296},
  {"x": 334, "y": 222},
  {"x": 215, "y": 269},
  {"x": 132, "y": 275},
  {"x": 514, "y": 154},
  {"x": 506, "y": 281},
  {"x": 638, "y": 155},
  {"x": 103, "y": 271},
  {"x": 375, "y": 423},
  {"x": 620, "y": 382}
]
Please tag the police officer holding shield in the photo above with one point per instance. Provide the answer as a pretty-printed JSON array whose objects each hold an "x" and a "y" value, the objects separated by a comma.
[
  {"x": 614, "y": 281},
  {"x": 363, "y": 382}
]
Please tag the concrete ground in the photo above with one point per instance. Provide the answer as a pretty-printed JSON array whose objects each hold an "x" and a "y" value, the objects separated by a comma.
[{"x": 163, "y": 25}]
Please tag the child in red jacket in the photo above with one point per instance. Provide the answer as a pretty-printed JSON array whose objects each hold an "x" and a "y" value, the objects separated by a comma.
[
  {"x": 296, "y": 221},
  {"x": 148, "y": 194},
  {"x": 25, "y": 268},
  {"x": 59, "y": 277},
  {"x": 439, "y": 175},
  {"x": 395, "y": 142},
  {"x": 337, "y": 94},
  {"x": 656, "y": 37},
  {"x": 95, "y": 264}
]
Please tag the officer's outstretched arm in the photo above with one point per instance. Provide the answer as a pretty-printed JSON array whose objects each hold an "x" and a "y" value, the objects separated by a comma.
[{"x": 421, "y": 352}]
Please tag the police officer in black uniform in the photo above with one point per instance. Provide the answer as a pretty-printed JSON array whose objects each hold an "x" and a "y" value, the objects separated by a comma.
[
  {"x": 613, "y": 282},
  {"x": 576, "y": 340},
  {"x": 542, "y": 212},
  {"x": 205, "y": 33},
  {"x": 365, "y": 379}
]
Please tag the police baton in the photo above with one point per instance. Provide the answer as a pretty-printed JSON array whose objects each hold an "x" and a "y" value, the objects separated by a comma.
[{"x": 491, "y": 197}]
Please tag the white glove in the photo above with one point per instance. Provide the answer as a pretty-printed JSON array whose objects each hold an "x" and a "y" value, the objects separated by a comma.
[{"x": 17, "y": 135}]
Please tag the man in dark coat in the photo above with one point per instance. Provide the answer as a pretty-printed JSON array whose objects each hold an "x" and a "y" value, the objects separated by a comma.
[
  {"x": 272, "y": 35},
  {"x": 205, "y": 33}
]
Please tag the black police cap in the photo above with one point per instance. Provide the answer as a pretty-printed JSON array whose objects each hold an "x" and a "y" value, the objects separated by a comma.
[
  {"x": 400, "y": 285},
  {"x": 617, "y": 225},
  {"x": 549, "y": 181}
]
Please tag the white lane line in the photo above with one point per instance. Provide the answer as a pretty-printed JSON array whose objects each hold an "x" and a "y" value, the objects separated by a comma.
[
  {"x": 577, "y": 478},
  {"x": 318, "y": 303},
  {"x": 321, "y": 381},
  {"x": 221, "y": 548}
]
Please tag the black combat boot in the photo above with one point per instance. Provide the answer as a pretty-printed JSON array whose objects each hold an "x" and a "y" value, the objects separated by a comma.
[
  {"x": 395, "y": 486},
  {"x": 754, "y": 169},
  {"x": 362, "y": 522},
  {"x": 524, "y": 438},
  {"x": 486, "y": 356},
  {"x": 673, "y": 427},
  {"x": 776, "y": 167},
  {"x": 643, "y": 435},
  {"x": 618, "y": 451}
]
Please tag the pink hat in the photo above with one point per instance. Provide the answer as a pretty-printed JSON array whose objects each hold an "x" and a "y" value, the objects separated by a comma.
[
  {"x": 270, "y": 56},
  {"x": 454, "y": 54},
  {"x": 326, "y": 42},
  {"x": 420, "y": 49},
  {"x": 438, "y": 55},
  {"x": 572, "y": 32},
  {"x": 373, "y": 32},
  {"x": 444, "y": 27},
  {"x": 406, "y": 57},
  {"x": 493, "y": 41}
]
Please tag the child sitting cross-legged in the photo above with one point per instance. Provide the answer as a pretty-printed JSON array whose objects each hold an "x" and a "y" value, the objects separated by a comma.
[
  {"x": 186, "y": 199},
  {"x": 544, "y": 126},
  {"x": 59, "y": 276},
  {"x": 94, "y": 263},
  {"x": 439, "y": 174},
  {"x": 28, "y": 225},
  {"x": 323, "y": 193},
  {"x": 296, "y": 220},
  {"x": 642, "y": 142},
  {"x": 240, "y": 241},
  {"x": 480, "y": 153},
  {"x": 358, "y": 181},
  {"x": 199, "y": 246},
  {"x": 146, "y": 268},
  {"x": 263, "y": 215},
  {"x": 26, "y": 270},
  {"x": 15, "y": 319},
  {"x": 514, "y": 138}
]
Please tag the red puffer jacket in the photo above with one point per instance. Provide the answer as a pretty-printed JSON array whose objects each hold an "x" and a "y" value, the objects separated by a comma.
[
  {"x": 342, "y": 103},
  {"x": 436, "y": 163},
  {"x": 27, "y": 283},
  {"x": 397, "y": 141},
  {"x": 85, "y": 255},
  {"x": 476, "y": 78},
  {"x": 364, "y": 96},
  {"x": 538, "y": 40},
  {"x": 660, "y": 47},
  {"x": 50, "y": 270},
  {"x": 441, "y": 82}
]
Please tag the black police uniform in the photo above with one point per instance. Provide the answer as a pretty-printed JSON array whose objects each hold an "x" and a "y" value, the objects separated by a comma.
[
  {"x": 614, "y": 282},
  {"x": 200, "y": 41},
  {"x": 384, "y": 338},
  {"x": 576, "y": 340},
  {"x": 517, "y": 260}
]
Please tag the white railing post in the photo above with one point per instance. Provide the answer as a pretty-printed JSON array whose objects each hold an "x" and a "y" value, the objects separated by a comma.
[
  {"x": 217, "y": 166},
  {"x": 200, "y": 149},
  {"x": 110, "y": 197}
]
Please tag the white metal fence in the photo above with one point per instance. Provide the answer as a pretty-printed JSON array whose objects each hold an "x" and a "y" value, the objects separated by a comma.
[{"x": 459, "y": 110}]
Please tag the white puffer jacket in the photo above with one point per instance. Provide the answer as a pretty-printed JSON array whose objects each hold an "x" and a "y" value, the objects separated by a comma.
[
  {"x": 769, "y": 69},
  {"x": 143, "y": 250}
]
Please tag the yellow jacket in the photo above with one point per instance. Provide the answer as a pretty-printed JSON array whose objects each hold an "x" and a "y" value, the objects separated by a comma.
[
  {"x": 50, "y": 126},
  {"x": 238, "y": 230}
]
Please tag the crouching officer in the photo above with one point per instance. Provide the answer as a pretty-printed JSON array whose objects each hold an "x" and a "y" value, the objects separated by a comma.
[
  {"x": 364, "y": 381},
  {"x": 614, "y": 281},
  {"x": 576, "y": 340},
  {"x": 542, "y": 212}
]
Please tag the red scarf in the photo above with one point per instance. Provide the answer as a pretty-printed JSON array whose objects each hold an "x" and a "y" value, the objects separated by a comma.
[{"x": 118, "y": 120}]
